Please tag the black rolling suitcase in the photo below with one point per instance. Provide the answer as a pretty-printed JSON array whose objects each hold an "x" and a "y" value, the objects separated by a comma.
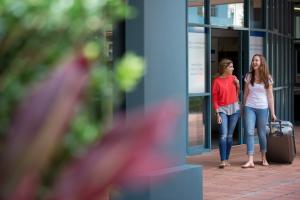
[{"x": 281, "y": 146}]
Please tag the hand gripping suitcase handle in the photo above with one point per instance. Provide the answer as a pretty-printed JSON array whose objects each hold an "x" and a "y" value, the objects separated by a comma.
[{"x": 280, "y": 128}]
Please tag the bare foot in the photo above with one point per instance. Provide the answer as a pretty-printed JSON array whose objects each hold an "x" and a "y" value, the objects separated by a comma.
[
  {"x": 227, "y": 164},
  {"x": 248, "y": 165},
  {"x": 222, "y": 165},
  {"x": 265, "y": 163}
]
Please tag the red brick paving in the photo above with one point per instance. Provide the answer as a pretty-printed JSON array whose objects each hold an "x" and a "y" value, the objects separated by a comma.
[{"x": 277, "y": 181}]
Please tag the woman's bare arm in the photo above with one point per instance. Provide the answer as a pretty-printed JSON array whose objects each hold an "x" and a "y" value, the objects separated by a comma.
[
  {"x": 237, "y": 84},
  {"x": 246, "y": 93},
  {"x": 271, "y": 101}
]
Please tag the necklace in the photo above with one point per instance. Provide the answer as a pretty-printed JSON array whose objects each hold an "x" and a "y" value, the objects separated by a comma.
[{"x": 257, "y": 80}]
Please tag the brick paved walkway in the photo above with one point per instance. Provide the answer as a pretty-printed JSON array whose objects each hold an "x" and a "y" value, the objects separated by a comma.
[{"x": 277, "y": 181}]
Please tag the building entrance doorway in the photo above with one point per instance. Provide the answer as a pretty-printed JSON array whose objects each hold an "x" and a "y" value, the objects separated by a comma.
[{"x": 224, "y": 44}]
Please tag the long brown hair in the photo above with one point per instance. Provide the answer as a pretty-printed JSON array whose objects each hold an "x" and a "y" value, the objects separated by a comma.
[
  {"x": 263, "y": 70},
  {"x": 223, "y": 64}
]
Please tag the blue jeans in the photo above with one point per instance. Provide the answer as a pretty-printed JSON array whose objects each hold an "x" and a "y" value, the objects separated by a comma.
[
  {"x": 259, "y": 118},
  {"x": 226, "y": 129}
]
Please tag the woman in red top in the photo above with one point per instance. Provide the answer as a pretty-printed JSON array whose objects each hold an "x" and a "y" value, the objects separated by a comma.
[{"x": 225, "y": 90}]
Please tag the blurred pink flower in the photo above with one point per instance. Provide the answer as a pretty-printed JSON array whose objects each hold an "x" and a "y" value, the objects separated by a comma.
[
  {"x": 125, "y": 155},
  {"x": 37, "y": 128}
]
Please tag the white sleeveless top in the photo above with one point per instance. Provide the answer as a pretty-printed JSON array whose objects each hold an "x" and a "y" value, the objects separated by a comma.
[{"x": 257, "y": 97}]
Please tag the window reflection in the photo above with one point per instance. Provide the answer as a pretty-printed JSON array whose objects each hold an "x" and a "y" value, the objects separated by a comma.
[
  {"x": 196, "y": 59},
  {"x": 109, "y": 45},
  {"x": 196, "y": 11},
  {"x": 270, "y": 53},
  {"x": 256, "y": 14},
  {"x": 196, "y": 121},
  {"x": 227, "y": 13},
  {"x": 297, "y": 28},
  {"x": 297, "y": 56},
  {"x": 256, "y": 43}
]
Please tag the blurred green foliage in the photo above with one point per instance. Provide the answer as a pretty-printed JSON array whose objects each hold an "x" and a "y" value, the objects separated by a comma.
[{"x": 36, "y": 34}]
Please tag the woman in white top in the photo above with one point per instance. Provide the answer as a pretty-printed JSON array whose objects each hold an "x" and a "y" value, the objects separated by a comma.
[{"x": 258, "y": 99}]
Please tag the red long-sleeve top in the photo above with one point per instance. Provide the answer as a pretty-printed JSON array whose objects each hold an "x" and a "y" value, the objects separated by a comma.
[{"x": 224, "y": 91}]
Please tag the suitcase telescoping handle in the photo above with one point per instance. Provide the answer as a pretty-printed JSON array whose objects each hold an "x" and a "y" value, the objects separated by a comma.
[
  {"x": 281, "y": 133},
  {"x": 280, "y": 128}
]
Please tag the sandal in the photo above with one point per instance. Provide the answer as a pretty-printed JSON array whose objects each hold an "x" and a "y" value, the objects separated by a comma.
[
  {"x": 264, "y": 163},
  {"x": 222, "y": 165},
  {"x": 227, "y": 164},
  {"x": 248, "y": 165}
]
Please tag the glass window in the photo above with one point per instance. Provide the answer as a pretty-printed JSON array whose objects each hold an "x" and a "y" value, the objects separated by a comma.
[
  {"x": 213, "y": 10},
  {"x": 282, "y": 106},
  {"x": 277, "y": 103},
  {"x": 276, "y": 14},
  {"x": 256, "y": 14},
  {"x": 297, "y": 27},
  {"x": 109, "y": 43},
  {"x": 227, "y": 14},
  {"x": 275, "y": 61},
  {"x": 296, "y": 107},
  {"x": 282, "y": 12},
  {"x": 256, "y": 43},
  {"x": 196, "y": 121},
  {"x": 285, "y": 19},
  {"x": 289, "y": 58},
  {"x": 270, "y": 46},
  {"x": 280, "y": 66},
  {"x": 297, "y": 58},
  {"x": 196, "y": 11},
  {"x": 196, "y": 59},
  {"x": 271, "y": 14},
  {"x": 289, "y": 15},
  {"x": 286, "y": 64}
]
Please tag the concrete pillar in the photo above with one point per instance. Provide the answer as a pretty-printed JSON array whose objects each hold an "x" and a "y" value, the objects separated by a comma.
[{"x": 159, "y": 34}]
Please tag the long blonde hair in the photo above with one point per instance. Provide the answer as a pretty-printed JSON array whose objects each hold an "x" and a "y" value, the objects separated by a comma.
[{"x": 264, "y": 74}]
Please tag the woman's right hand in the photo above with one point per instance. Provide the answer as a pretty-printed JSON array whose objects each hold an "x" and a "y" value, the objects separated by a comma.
[
  {"x": 219, "y": 119},
  {"x": 273, "y": 117},
  {"x": 236, "y": 81}
]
